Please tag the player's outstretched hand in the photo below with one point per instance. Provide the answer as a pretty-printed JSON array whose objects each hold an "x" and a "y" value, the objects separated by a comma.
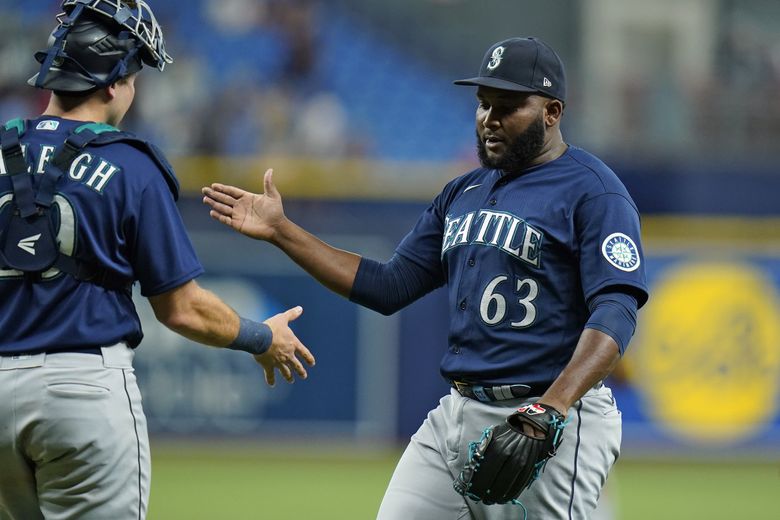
[
  {"x": 285, "y": 348},
  {"x": 256, "y": 216}
]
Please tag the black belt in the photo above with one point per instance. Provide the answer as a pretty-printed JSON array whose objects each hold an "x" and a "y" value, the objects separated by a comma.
[
  {"x": 77, "y": 350},
  {"x": 498, "y": 392},
  {"x": 503, "y": 392}
]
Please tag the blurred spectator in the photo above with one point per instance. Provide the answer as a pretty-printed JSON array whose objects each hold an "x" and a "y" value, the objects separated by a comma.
[
  {"x": 175, "y": 106},
  {"x": 739, "y": 111},
  {"x": 297, "y": 19},
  {"x": 321, "y": 127},
  {"x": 236, "y": 16},
  {"x": 232, "y": 121},
  {"x": 277, "y": 118}
]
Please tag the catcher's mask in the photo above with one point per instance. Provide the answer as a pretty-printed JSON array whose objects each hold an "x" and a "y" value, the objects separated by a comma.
[{"x": 98, "y": 42}]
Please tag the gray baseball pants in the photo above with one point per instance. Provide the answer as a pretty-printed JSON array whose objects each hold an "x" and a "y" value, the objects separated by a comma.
[
  {"x": 73, "y": 439},
  {"x": 568, "y": 489}
]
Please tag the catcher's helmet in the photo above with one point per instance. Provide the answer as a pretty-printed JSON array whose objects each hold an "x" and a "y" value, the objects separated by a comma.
[{"x": 98, "y": 42}]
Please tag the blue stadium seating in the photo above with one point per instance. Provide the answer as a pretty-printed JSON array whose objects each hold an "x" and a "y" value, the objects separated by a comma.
[{"x": 408, "y": 111}]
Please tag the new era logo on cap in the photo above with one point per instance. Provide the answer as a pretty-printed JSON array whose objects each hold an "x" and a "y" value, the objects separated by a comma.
[{"x": 521, "y": 65}]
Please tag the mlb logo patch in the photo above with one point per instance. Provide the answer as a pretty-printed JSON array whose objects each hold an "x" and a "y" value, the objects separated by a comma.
[{"x": 48, "y": 125}]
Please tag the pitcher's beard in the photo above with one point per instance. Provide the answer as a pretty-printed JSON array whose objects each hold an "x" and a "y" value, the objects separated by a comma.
[{"x": 520, "y": 152}]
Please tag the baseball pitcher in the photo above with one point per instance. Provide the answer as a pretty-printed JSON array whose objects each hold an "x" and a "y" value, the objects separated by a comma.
[{"x": 540, "y": 251}]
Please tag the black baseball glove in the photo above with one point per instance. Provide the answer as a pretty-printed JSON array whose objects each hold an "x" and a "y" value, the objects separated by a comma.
[{"x": 505, "y": 461}]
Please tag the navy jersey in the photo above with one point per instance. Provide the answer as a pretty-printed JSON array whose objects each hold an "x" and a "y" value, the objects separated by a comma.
[
  {"x": 521, "y": 255},
  {"x": 115, "y": 207}
]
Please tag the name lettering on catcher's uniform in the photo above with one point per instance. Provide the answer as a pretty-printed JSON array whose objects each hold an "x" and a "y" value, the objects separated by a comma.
[
  {"x": 80, "y": 166},
  {"x": 509, "y": 233},
  {"x": 104, "y": 171},
  {"x": 97, "y": 180},
  {"x": 44, "y": 157}
]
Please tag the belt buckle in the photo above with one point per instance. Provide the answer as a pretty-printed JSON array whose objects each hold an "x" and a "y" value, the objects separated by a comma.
[
  {"x": 461, "y": 387},
  {"x": 472, "y": 391}
]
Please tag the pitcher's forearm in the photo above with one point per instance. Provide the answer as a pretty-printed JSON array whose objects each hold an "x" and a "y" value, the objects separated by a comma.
[
  {"x": 594, "y": 359},
  {"x": 334, "y": 268}
]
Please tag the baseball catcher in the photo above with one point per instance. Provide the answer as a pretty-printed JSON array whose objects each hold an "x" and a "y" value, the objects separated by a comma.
[
  {"x": 86, "y": 211},
  {"x": 511, "y": 455}
]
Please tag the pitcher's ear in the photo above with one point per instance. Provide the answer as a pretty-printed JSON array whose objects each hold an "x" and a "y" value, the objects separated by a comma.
[{"x": 553, "y": 110}]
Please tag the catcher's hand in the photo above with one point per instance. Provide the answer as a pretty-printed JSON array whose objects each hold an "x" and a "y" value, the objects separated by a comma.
[{"x": 505, "y": 461}]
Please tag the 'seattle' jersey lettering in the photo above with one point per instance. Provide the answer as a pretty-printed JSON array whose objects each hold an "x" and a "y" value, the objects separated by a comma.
[
  {"x": 113, "y": 206},
  {"x": 520, "y": 257},
  {"x": 510, "y": 234}
]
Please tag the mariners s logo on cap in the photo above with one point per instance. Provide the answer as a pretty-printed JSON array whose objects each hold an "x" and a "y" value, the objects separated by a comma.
[
  {"x": 495, "y": 58},
  {"x": 527, "y": 65},
  {"x": 621, "y": 252}
]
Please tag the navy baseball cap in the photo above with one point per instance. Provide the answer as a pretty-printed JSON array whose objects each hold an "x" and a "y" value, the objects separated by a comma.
[{"x": 521, "y": 65}]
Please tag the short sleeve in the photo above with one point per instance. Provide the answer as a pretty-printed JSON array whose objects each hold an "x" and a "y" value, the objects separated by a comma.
[
  {"x": 610, "y": 247},
  {"x": 163, "y": 256}
]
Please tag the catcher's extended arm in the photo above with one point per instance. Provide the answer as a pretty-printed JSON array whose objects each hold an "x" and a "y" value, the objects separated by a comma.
[{"x": 505, "y": 461}]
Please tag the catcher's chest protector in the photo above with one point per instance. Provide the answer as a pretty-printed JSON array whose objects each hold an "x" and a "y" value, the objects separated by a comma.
[{"x": 28, "y": 239}]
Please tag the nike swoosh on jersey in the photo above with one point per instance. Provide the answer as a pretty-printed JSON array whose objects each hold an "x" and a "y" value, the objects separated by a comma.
[{"x": 472, "y": 187}]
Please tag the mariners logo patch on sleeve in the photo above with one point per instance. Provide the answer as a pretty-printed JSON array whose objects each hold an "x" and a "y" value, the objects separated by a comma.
[{"x": 621, "y": 252}]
